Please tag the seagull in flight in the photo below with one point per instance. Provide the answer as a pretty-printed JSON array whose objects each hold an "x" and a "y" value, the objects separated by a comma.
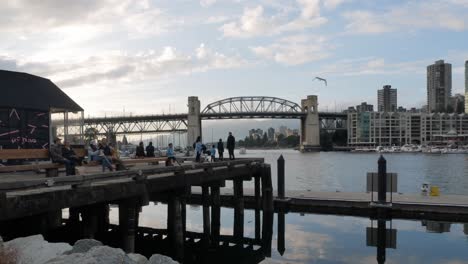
[{"x": 321, "y": 79}]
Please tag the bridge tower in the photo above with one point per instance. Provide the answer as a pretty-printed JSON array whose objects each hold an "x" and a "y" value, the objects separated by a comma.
[
  {"x": 310, "y": 125},
  {"x": 194, "y": 120}
]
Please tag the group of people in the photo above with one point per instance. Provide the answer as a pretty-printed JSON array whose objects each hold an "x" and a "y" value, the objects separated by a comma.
[
  {"x": 101, "y": 152},
  {"x": 64, "y": 154},
  {"x": 142, "y": 152},
  {"x": 200, "y": 148}
]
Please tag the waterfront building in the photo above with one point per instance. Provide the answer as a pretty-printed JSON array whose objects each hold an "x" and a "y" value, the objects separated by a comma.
[
  {"x": 387, "y": 99},
  {"x": 271, "y": 134},
  {"x": 364, "y": 107},
  {"x": 439, "y": 86},
  {"x": 282, "y": 130},
  {"x": 457, "y": 104},
  {"x": 255, "y": 133},
  {"x": 393, "y": 128},
  {"x": 466, "y": 86}
]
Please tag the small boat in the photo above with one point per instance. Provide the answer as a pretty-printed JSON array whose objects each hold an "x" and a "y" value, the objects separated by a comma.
[{"x": 242, "y": 151}]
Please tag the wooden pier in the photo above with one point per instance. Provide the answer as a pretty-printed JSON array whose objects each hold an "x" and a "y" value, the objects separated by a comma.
[{"x": 34, "y": 204}]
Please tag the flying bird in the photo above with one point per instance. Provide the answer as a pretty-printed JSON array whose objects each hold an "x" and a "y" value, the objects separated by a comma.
[{"x": 321, "y": 79}]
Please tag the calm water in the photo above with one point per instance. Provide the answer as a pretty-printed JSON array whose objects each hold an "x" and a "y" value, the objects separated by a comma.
[{"x": 314, "y": 238}]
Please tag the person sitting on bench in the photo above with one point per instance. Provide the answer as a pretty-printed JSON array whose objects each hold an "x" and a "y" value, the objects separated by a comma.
[
  {"x": 57, "y": 157},
  {"x": 104, "y": 152},
  {"x": 69, "y": 153}
]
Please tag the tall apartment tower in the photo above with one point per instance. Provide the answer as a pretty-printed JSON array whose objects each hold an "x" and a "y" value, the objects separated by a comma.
[
  {"x": 466, "y": 87},
  {"x": 439, "y": 86},
  {"x": 387, "y": 99}
]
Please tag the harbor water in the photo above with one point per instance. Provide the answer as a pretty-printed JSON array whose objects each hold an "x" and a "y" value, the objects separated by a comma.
[{"x": 317, "y": 238}]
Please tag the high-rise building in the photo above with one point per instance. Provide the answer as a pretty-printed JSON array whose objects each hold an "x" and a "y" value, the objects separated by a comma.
[
  {"x": 387, "y": 99},
  {"x": 439, "y": 86},
  {"x": 364, "y": 107},
  {"x": 466, "y": 87},
  {"x": 271, "y": 134}
]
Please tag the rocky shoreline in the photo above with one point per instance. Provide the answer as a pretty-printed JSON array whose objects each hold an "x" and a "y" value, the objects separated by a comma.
[{"x": 36, "y": 250}]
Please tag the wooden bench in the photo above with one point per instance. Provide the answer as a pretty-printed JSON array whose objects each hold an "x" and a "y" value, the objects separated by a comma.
[
  {"x": 143, "y": 160},
  {"x": 33, "y": 155}
]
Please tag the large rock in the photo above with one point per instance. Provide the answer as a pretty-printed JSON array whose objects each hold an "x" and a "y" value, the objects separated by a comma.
[
  {"x": 96, "y": 255},
  {"x": 83, "y": 246},
  {"x": 139, "y": 259},
  {"x": 161, "y": 259},
  {"x": 35, "y": 250}
]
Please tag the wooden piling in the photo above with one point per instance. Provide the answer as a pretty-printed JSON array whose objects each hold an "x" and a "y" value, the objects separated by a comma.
[
  {"x": 206, "y": 214},
  {"x": 280, "y": 178},
  {"x": 175, "y": 233},
  {"x": 268, "y": 210},
  {"x": 258, "y": 207},
  {"x": 127, "y": 224},
  {"x": 238, "y": 209},
  {"x": 215, "y": 214}
]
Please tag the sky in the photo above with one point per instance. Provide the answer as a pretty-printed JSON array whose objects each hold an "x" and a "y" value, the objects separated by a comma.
[{"x": 147, "y": 57}]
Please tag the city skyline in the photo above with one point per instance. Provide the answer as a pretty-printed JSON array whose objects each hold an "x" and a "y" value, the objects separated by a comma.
[{"x": 149, "y": 56}]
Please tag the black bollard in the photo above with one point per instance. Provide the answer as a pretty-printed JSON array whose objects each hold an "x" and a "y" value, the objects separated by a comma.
[
  {"x": 281, "y": 177},
  {"x": 382, "y": 188}
]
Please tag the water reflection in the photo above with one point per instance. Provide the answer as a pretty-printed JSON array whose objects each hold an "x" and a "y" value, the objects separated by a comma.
[{"x": 314, "y": 238}]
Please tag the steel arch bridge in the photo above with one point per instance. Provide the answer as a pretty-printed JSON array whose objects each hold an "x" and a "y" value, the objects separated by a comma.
[{"x": 253, "y": 107}]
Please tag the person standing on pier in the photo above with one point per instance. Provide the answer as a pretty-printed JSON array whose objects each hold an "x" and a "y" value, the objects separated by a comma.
[
  {"x": 150, "y": 150},
  {"x": 213, "y": 153},
  {"x": 140, "y": 151},
  {"x": 57, "y": 157},
  {"x": 220, "y": 149},
  {"x": 170, "y": 155},
  {"x": 231, "y": 143},
  {"x": 198, "y": 149}
]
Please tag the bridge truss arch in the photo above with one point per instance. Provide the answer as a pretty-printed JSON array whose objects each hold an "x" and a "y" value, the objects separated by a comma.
[{"x": 251, "y": 104}]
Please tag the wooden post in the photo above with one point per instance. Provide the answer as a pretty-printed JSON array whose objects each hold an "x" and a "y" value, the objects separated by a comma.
[
  {"x": 175, "y": 232},
  {"x": 382, "y": 184},
  {"x": 215, "y": 214},
  {"x": 127, "y": 224},
  {"x": 258, "y": 207},
  {"x": 206, "y": 214},
  {"x": 281, "y": 232},
  {"x": 238, "y": 209},
  {"x": 90, "y": 221},
  {"x": 267, "y": 197},
  {"x": 281, "y": 177}
]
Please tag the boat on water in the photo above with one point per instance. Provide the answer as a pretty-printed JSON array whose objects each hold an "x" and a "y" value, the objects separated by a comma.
[{"x": 242, "y": 151}]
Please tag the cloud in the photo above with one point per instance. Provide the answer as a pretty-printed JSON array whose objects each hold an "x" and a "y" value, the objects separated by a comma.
[
  {"x": 373, "y": 66},
  {"x": 206, "y": 3},
  {"x": 254, "y": 22},
  {"x": 408, "y": 17},
  {"x": 333, "y": 4},
  {"x": 138, "y": 17},
  {"x": 121, "y": 67},
  {"x": 216, "y": 19},
  {"x": 294, "y": 50}
]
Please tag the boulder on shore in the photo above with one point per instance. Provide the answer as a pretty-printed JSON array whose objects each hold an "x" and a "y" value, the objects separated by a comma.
[
  {"x": 35, "y": 250},
  {"x": 161, "y": 259},
  {"x": 83, "y": 246}
]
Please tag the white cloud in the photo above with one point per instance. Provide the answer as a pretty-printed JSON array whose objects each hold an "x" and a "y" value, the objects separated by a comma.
[
  {"x": 136, "y": 16},
  {"x": 332, "y": 4},
  {"x": 120, "y": 67},
  {"x": 373, "y": 66},
  {"x": 408, "y": 17},
  {"x": 254, "y": 21},
  {"x": 206, "y": 3},
  {"x": 216, "y": 19},
  {"x": 294, "y": 50}
]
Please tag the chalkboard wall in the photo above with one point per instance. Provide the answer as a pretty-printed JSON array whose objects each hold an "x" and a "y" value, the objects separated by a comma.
[{"x": 23, "y": 128}]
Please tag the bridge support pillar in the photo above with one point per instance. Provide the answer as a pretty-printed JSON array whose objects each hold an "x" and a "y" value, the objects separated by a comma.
[
  {"x": 194, "y": 120},
  {"x": 310, "y": 125}
]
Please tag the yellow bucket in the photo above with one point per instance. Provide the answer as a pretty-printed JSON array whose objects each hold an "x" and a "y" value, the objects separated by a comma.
[{"x": 435, "y": 191}]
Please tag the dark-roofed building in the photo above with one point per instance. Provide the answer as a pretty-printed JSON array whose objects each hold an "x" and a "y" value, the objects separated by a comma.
[{"x": 26, "y": 104}]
